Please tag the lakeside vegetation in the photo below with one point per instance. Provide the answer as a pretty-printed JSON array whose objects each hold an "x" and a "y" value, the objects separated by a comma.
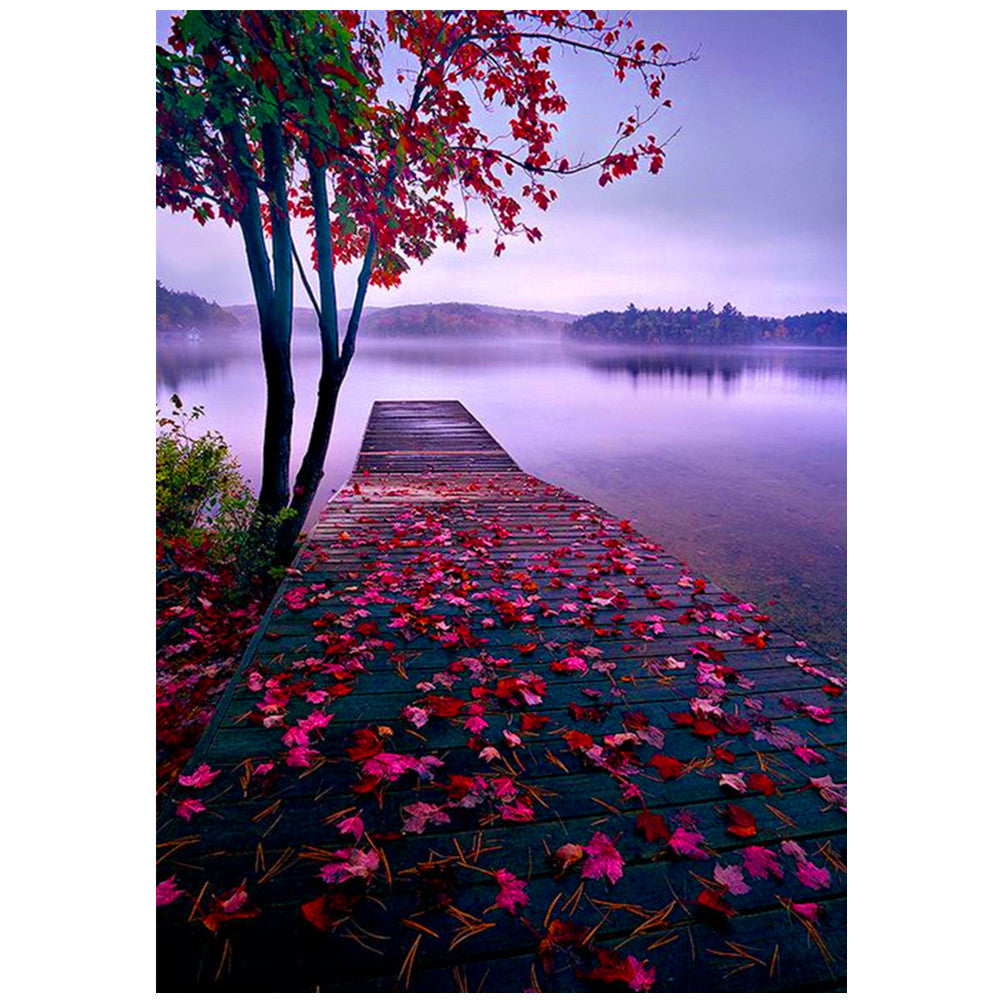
[
  {"x": 214, "y": 578},
  {"x": 706, "y": 326}
]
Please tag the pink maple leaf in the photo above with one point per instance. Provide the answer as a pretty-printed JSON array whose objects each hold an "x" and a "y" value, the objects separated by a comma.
[
  {"x": 519, "y": 812},
  {"x": 167, "y": 891},
  {"x": 416, "y": 716},
  {"x": 201, "y": 777},
  {"x": 760, "y": 862},
  {"x": 302, "y": 756},
  {"x": 186, "y": 808},
  {"x": 391, "y": 766},
  {"x": 353, "y": 826},
  {"x": 731, "y": 877},
  {"x": 352, "y": 862},
  {"x": 830, "y": 791},
  {"x": 315, "y": 720},
  {"x": 424, "y": 766},
  {"x": 476, "y": 724},
  {"x": 792, "y": 849},
  {"x": 685, "y": 843},
  {"x": 818, "y": 713},
  {"x": 570, "y": 664},
  {"x": 602, "y": 860},
  {"x": 504, "y": 788},
  {"x": 639, "y": 977},
  {"x": 420, "y": 814},
  {"x": 808, "y": 755},
  {"x": 813, "y": 877},
  {"x": 733, "y": 781},
  {"x": 808, "y": 911},
  {"x": 511, "y": 892},
  {"x": 235, "y": 901},
  {"x": 295, "y": 737}
]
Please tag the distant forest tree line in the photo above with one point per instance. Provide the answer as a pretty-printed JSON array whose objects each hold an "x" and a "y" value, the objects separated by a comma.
[
  {"x": 455, "y": 319},
  {"x": 185, "y": 310},
  {"x": 706, "y": 326}
]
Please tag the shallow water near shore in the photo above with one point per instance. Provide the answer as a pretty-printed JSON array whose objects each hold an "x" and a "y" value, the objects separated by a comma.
[{"x": 734, "y": 459}]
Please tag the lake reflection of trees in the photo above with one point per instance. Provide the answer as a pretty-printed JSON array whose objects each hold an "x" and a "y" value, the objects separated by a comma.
[
  {"x": 181, "y": 362},
  {"x": 723, "y": 368},
  {"x": 466, "y": 352}
]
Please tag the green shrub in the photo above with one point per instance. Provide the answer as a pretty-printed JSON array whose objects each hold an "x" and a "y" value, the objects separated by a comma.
[{"x": 202, "y": 496}]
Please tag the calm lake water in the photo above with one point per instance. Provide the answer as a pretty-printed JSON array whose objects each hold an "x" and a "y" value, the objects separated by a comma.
[{"x": 734, "y": 459}]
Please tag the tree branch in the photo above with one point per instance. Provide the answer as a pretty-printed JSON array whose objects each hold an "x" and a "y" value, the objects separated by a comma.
[
  {"x": 305, "y": 281},
  {"x": 364, "y": 277}
]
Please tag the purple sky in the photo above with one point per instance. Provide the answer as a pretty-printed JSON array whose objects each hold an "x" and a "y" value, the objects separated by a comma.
[{"x": 750, "y": 207}]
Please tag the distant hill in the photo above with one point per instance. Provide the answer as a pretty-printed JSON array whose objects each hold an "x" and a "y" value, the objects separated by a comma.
[
  {"x": 182, "y": 311},
  {"x": 636, "y": 327},
  {"x": 447, "y": 319},
  {"x": 441, "y": 319}
]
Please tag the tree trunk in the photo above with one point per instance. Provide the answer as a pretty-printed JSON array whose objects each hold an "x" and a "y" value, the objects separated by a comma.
[
  {"x": 335, "y": 365},
  {"x": 311, "y": 471},
  {"x": 331, "y": 375},
  {"x": 280, "y": 409},
  {"x": 276, "y": 336}
]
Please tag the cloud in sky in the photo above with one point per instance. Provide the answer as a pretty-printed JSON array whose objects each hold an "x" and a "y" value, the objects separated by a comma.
[{"x": 750, "y": 207}]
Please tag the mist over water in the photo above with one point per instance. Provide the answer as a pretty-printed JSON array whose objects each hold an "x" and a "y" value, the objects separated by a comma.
[{"x": 734, "y": 459}]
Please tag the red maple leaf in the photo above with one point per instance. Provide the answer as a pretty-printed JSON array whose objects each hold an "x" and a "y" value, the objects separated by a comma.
[
  {"x": 761, "y": 783},
  {"x": 702, "y": 727},
  {"x": 713, "y": 901},
  {"x": 443, "y": 706},
  {"x": 532, "y": 723},
  {"x": 667, "y": 767},
  {"x": 560, "y": 934},
  {"x": 615, "y": 968},
  {"x": 325, "y": 912},
  {"x": 739, "y": 822},
  {"x": 652, "y": 826},
  {"x": 576, "y": 740}
]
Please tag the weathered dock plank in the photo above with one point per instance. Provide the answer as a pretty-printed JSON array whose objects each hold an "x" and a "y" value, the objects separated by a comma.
[{"x": 470, "y": 680}]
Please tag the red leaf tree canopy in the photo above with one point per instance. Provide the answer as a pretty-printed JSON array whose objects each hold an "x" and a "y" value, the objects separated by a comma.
[{"x": 266, "y": 116}]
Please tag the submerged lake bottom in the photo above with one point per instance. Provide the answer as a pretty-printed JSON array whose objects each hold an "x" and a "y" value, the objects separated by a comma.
[{"x": 734, "y": 459}]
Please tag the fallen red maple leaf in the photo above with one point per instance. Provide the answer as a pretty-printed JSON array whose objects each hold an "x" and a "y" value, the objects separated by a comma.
[
  {"x": 560, "y": 934},
  {"x": 325, "y": 912},
  {"x": 532, "y": 723},
  {"x": 713, "y": 901},
  {"x": 702, "y": 727},
  {"x": 666, "y": 767},
  {"x": 739, "y": 822},
  {"x": 761, "y": 783},
  {"x": 652, "y": 826},
  {"x": 615, "y": 968},
  {"x": 576, "y": 740}
]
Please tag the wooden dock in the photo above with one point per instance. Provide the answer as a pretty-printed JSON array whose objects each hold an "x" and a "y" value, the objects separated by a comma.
[{"x": 490, "y": 738}]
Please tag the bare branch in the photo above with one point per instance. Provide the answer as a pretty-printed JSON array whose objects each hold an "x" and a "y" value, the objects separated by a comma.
[{"x": 305, "y": 281}]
